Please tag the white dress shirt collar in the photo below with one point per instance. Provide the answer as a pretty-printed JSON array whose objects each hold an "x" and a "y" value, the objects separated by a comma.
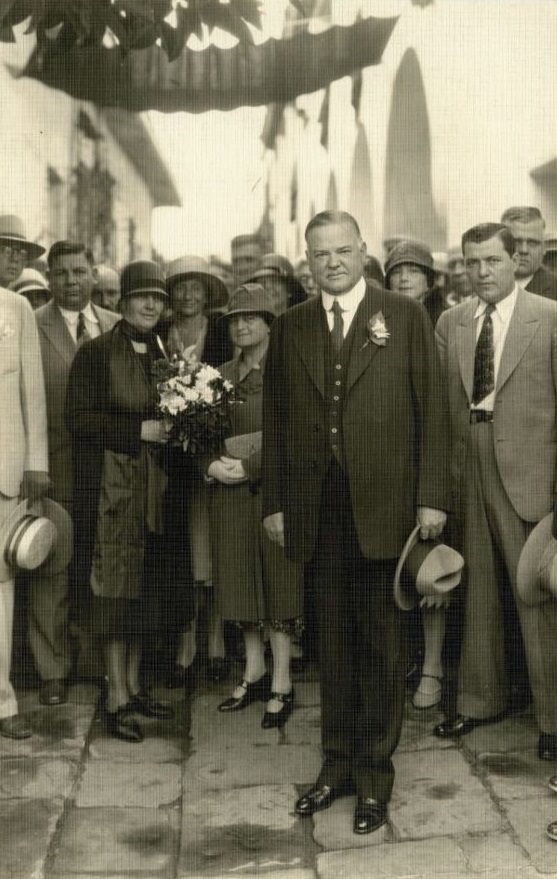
[
  {"x": 71, "y": 317},
  {"x": 504, "y": 308},
  {"x": 348, "y": 301}
]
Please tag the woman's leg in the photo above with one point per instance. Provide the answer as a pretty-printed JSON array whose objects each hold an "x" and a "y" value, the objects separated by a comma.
[
  {"x": 428, "y": 692},
  {"x": 115, "y": 659},
  {"x": 281, "y": 683},
  {"x": 255, "y": 660}
]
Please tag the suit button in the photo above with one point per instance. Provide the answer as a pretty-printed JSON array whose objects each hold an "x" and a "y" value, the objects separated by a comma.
[
  {"x": 334, "y": 430},
  {"x": 338, "y": 384},
  {"x": 338, "y": 366},
  {"x": 336, "y": 399},
  {"x": 334, "y": 413}
]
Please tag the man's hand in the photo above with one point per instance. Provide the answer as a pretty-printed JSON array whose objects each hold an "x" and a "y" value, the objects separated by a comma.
[
  {"x": 229, "y": 471},
  {"x": 274, "y": 526},
  {"x": 34, "y": 487},
  {"x": 431, "y": 522}
]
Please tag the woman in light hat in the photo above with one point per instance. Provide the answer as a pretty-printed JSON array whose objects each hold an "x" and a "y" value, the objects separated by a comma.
[
  {"x": 256, "y": 584},
  {"x": 126, "y": 550},
  {"x": 196, "y": 332}
]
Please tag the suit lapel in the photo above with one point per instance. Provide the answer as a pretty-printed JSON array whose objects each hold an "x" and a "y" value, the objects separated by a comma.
[
  {"x": 54, "y": 327},
  {"x": 105, "y": 323},
  {"x": 522, "y": 329},
  {"x": 310, "y": 337},
  {"x": 466, "y": 346},
  {"x": 363, "y": 350}
]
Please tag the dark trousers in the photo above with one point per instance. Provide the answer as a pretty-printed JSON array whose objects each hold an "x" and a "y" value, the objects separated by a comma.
[{"x": 361, "y": 651}]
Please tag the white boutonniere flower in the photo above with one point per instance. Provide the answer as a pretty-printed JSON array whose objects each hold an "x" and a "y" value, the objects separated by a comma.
[
  {"x": 377, "y": 331},
  {"x": 6, "y": 331}
]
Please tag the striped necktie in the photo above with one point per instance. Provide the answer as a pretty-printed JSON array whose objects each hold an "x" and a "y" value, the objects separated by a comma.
[
  {"x": 484, "y": 368},
  {"x": 82, "y": 332}
]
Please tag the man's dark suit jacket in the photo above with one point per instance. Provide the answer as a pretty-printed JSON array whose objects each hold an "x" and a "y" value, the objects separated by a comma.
[
  {"x": 544, "y": 283},
  {"x": 394, "y": 423}
]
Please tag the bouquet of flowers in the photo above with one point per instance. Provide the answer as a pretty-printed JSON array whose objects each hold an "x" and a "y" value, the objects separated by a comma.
[{"x": 195, "y": 402}]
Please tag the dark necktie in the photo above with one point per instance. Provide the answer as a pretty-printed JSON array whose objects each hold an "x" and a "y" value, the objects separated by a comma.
[
  {"x": 484, "y": 369},
  {"x": 82, "y": 332},
  {"x": 337, "y": 333}
]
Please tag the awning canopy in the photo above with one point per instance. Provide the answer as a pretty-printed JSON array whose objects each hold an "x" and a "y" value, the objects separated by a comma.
[{"x": 214, "y": 78}]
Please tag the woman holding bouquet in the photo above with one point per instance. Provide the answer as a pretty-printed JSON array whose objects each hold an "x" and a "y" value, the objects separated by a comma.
[
  {"x": 256, "y": 584},
  {"x": 121, "y": 549},
  {"x": 196, "y": 333}
]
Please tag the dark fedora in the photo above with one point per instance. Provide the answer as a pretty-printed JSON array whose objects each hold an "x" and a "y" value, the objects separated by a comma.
[
  {"x": 249, "y": 299},
  {"x": 142, "y": 276},
  {"x": 425, "y": 568}
]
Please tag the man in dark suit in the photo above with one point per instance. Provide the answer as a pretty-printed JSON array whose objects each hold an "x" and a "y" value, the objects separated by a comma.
[
  {"x": 353, "y": 453},
  {"x": 499, "y": 355},
  {"x": 527, "y": 226},
  {"x": 63, "y": 323}
]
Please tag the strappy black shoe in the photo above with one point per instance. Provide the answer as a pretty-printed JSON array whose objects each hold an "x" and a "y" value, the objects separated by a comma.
[
  {"x": 277, "y": 719},
  {"x": 259, "y": 690}
]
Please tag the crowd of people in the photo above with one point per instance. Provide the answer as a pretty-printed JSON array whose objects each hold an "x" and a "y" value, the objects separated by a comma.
[{"x": 397, "y": 431}]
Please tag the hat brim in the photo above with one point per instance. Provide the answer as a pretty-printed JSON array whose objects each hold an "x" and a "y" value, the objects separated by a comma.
[
  {"x": 144, "y": 291},
  {"x": 61, "y": 553},
  {"x": 528, "y": 583},
  {"x": 402, "y": 598},
  {"x": 33, "y": 250},
  {"x": 260, "y": 311},
  {"x": 217, "y": 291}
]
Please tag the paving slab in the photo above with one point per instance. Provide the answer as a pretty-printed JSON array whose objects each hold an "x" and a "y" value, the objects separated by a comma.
[
  {"x": 417, "y": 731},
  {"x": 27, "y": 827},
  {"x": 165, "y": 741},
  {"x": 214, "y": 768},
  {"x": 485, "y": 852},
  {"x": 516, "y": 733},
  {"x": 57, "y": 731},
  {"x": 432, "y": 857},
  {"x": 36, "y": 777},
  {"x": 252, "y": 830},
  {"x": 529, "y": 819},
  {"x": 514, "y": 775},
  {"x": 437, "y": 795},
  {"x": 151, "y": 786},
  {"x": 117, "y": 840}
]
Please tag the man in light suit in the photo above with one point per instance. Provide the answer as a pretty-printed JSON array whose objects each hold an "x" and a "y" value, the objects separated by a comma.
[
  {"x": 499, "y": 354},
  {"x": 63, "y": 323},
  {"x": 23, "y": 462},
  {"x": 527, "y": 226},
  {"x": 353, "y": 454}
]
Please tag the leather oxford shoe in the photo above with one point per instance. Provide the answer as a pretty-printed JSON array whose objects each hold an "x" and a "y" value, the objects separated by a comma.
[
  {"x": 370, "y": 815},
  {"x": 52, "y": 692},
  {"x": 317, "y": 798},
  {"x": 461, "y": 726},
  {"x": 547, "y": 746},
  {"x": 144, "y": 704},
  {"x": 14, "y": 727}
]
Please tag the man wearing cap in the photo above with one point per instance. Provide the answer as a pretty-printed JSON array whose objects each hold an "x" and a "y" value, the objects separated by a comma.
[
  {"x": 353, "y": 454},
  {"x": 23, "y": 440},
  {"x": 499, "y": 354},
  {"x": 527, "y": 226},
  {"x": 63, "y": 323}
]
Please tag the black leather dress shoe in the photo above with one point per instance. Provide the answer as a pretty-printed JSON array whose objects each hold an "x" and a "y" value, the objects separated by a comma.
[
  {"x": 122, "y": 725},
  {"x": 52, "y": 692},
  {"x": 14, "y": 727},
  {"x": 277, "y": 719},
  {"x": 370, "y": 815},
  {"x": 259, "y": 690},
  {"x": 460, "y": 726},
  {"x": 547, "y": 746},
  {"x": 317, "y": 798},
  {"x": 144, "y": 704}
]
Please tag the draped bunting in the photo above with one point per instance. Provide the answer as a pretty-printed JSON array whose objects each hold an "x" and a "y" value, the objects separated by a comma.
[{"x": 213, "y": 79}]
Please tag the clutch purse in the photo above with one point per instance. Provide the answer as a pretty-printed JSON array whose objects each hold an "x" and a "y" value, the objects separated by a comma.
[{"x": 243, "y": 445}]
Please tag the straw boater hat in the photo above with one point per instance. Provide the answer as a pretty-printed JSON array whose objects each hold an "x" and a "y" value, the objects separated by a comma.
[
  {"x": 425, "y": 567},
  {"x": 195, "y": 267},
  {"x": 536, "y": 576},
  {"x": 12, "y": 231},
  {"x": 41, "y": 535}
]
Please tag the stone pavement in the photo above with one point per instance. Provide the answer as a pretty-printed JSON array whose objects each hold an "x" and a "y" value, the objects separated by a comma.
[{"x": 208, "y": 795}]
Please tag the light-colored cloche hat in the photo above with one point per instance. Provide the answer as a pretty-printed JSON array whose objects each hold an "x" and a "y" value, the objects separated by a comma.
[
  {"x": 536, "y": 576},
  {"x": 142, "y": 276},
  {"x": 12, "y": 231},
  {"x": 425, "y": 567},
  {"x": 195, "y": 267},
  {"x": 29, "y": 281},
  {"x": 250, "y": 298},
  {"x": 31, "y": 537}
]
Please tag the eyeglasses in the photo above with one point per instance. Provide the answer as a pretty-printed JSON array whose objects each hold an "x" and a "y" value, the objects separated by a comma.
[{"x": 11, "y": 250}]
